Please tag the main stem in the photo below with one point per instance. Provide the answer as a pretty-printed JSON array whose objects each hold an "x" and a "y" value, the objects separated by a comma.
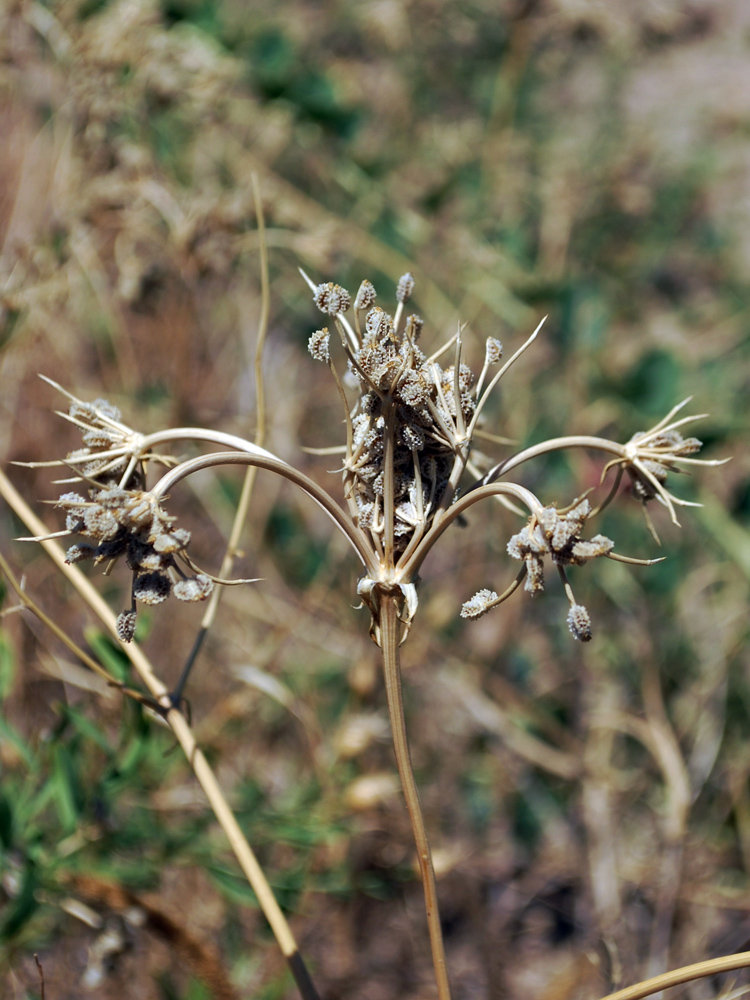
[{"x": 389, "y": 642}]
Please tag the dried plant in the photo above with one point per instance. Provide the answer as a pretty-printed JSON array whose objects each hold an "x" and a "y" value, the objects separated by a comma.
[{"x": 411, "y": 420}]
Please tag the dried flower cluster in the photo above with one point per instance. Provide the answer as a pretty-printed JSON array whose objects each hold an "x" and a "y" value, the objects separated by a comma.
[
  {"x": 559, "y": 536},
  {"x": 410, "y": 429},
  {"x": 411, "y": 417},
  {"x": 122, "y": 521},
  {"x": 410, "y": 434}
]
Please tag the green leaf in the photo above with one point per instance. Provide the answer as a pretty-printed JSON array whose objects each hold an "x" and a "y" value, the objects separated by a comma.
[
  {"x": 7, "y": 665},
  {"x": 66, "y": 789}
]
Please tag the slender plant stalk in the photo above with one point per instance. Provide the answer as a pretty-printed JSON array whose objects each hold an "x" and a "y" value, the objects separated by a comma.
[
  {"x": 184, "y": 734},
  {"x": 686, "y": 974},
  {"x": 389, "y": 638},
  {"x": 248, "y": 483}
]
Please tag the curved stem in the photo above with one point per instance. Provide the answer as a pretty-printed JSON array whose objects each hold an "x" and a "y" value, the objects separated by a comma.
[
  {"x": 687, "y": 974},
  {"x": 411, "y": 567},
  {"x": 554, "y": 444},
  {"x": 389, "y": 639},
  {"x": 250, "y": 456}
]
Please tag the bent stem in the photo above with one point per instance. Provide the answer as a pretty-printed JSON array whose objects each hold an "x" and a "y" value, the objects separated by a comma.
[
  {"x": 389, "y": 640},
  {"x": 686, "y": 974}
]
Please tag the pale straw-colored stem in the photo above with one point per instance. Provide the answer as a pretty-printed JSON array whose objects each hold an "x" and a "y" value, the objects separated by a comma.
[
  {"x": 686, "y": 974},
  {"x": 409, "y": 568},
  {"x": 555, "y": 444},
  {"x": 180, "y": 727},
  {"x": 248, "y": 483},
  {"x": 389, "y": 641},
  {"x": 339, "y": 517}
]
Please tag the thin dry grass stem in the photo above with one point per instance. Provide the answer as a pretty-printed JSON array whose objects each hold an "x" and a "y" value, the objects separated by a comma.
[
  {"x": 390, "y": 624},
  {"x": 181, "y": 728},
  {"x": 674, "y": 822},
  {"x": 248, "y": 483},
  {"x": 685, "y": 974}
]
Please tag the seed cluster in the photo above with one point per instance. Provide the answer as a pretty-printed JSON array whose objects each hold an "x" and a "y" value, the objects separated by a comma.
[
  {"x": 125, "y": 522},
  {"x": 557, "y": 535},
  {"x": 657, "y": 456},
  {"x": 407, "y": 403}
]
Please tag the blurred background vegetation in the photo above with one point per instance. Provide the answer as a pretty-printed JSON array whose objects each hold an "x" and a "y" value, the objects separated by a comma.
[{"x": 589, "y": 806}]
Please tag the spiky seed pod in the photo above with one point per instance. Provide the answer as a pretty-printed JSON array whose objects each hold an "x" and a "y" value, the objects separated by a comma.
[
  {"x": 493, "y": 351},
  {"x": 479, "y": 604},
  {"x": 151, "y": 588},
  {"x": 70, "y": 500},
  {"x": 78, "y": 552},
  {"x": 465, "y": 378},
  {"x": 365, "y": 296},
  {"x": 125, "y": 625},
  {"x": 599, "y": 545},
  {"x": 332, "y": 299},
  {"x": 196, "y": 588},
  {"x": 378, "y": 324},
  {"x": 413, "y": 437},
  {"x": 405, "y": 287},
  {"x": 100, "y": 523},
  {"x": 318, "y": 343},
  {"x": 365, "y": 513},
  {"x": 579, "y": 623},
  {"x": 534, "y": 575},
  {"x": 412, "y": 389},
  {"x": 94, "y": 412},
  {"x": 172, "y": 541}
]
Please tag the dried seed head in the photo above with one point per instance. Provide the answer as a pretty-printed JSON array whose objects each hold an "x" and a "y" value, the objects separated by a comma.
[
  {"x": 479, "y": 604},
  {"x": 196, "y": 588},
  {"x": 493, "y": 351},
  {"x": 151, "y": 588},
  {"x": 365, "y": 296},
  {"x": 599, "y": 545},
  {"x": 318, "y": 343},
  {"x": 100, "y": 523},
  {"x": 378, "y": 324},
  {"x": 78, "y": 552},
  {"x": 173, "y": 540},
  {"x": 94, "y": 411},
  {"x": 534, "y": 575},
  {"x": 126, "y": 626},
  {"x": 332, "y": 299},
  {"x": 405, "y": 287},
  {"x": 579, "y": 623}
]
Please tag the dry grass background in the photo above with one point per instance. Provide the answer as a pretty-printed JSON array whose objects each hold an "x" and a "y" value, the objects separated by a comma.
[{"x": 589, "y": 806}]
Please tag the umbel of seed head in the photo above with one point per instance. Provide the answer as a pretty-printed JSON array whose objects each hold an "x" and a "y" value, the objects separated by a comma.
[
  {"x": 365, "y": 296},
  {"x": 405, "y": 287},
  {"x": 332, "y": 299},
  {"x": 579, "y": 623},
  {"x": 479, "y": 604},
  {"x": 318, "y": 345}
]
